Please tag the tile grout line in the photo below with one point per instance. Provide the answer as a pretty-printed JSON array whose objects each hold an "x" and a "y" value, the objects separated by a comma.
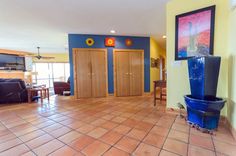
[{"x": 162, "y": 148}]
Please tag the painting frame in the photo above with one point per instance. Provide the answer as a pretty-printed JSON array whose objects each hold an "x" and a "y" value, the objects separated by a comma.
[{"x": 209, "y": 45}]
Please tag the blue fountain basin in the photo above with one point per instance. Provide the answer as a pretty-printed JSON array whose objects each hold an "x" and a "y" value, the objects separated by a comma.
[
  {"x": 204, "y": 113},
  {"x": 210, "y": 104}
]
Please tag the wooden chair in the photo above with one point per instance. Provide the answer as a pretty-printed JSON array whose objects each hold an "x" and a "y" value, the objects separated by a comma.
[{"x": 162, "y": 85}]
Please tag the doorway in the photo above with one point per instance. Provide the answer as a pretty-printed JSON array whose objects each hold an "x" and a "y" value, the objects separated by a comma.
[
  {"x": 128, "y": 72},
  {"x": 90, "y": 72}
]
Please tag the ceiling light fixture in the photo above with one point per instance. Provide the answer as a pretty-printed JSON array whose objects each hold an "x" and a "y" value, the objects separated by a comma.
[
  {"x": 164, "y": 36},
  {"x": 113, "y": 31}
]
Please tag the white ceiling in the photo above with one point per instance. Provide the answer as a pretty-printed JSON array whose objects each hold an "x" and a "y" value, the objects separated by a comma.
[{"x": 26, "y": 24}]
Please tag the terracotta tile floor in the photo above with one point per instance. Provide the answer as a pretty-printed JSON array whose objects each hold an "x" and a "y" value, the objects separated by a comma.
[{"x": 106, "y": 126}]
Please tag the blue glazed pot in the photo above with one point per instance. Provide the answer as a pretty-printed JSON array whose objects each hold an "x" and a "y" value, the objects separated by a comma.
[
  {"x": 208, "y": 104},
  {"x": 204, "y": 113},
  {"x": 203, "y": 76}
]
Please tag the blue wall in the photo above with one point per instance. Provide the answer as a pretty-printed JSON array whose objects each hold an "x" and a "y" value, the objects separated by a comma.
[{"x": 78, "y": 41}]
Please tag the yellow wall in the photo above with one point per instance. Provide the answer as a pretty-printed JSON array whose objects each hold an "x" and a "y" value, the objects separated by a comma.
[
  {"x": 59, "y": 57},
  {"x": 232, "y": 69},
  {"x": 155, "y": 52},
  {"x": 177, "y": 74}
]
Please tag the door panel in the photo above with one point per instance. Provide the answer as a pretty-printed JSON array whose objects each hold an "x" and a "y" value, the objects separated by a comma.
[
  {"x": 98, "y": 61},
  {"x": 83, "y": 67},
  {"x": 135, "y": 73},
  {"x": 122, "y": 73}
]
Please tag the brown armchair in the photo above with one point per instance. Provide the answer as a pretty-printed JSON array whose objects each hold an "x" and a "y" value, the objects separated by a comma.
[{"x": 59, "y": 87}]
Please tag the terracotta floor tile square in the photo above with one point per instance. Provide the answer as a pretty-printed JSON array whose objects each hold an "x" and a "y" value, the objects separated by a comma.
[
  {"x": 137, "y": 134},
  {"x": 32, "y": 135},
  {"x": 180, "y": 127},
  {"x": 160, "y": 130},
  {"x": 7, "y": 137},
  {"x": 144, "y": 126},
  {"x": 225, "y": 148},
  {"x": 98, "y": 122},
  {"x": 64, "y": 151},
  {"x": 127, "y": 144},
  {"x": 154, "y": 140},
  {"x": 176, "y": 147},
  {"x": 76, "y": 124},
  {"x": 198, "y": 151},
  {"x": 166, "y": 153},
  {"x": 45, "y": 124},
  {"x": 82, "y": 142},
  {"x": 67, "y": 122},
  {"x": 115, "y": 152},
  {"x": 145, "y": 149},
  {"x": 30, "y": 153},
  {"x": 39, "y": 141},
  {"x": 85, "y": 128},
  {"x": 17, "y": 150},
  {"x": 199, "y": 133},
  {"x": 97, "y": 132},
  {"x": 220, "y": 154},
  {"x": 150, "y": 120},
  {"x": 225, "y": 137},
  {"x": 59, "y": 132},
  {"x": 48, "y": 148},
  {"x": 4, "y": 132},
  {"x": 119, "y": 119},
  {"x": 95, "y": 149},
  {"x": 69, "y": 137},
  {"x": 52, "y": 127},
  {"x": 130, "y": 122},
  {"x": 109, "y": 125},
  {"x": 201, "y": 142},
  {"x": 181, "y": 136},
  {"x": 108, "y": 117},
  {"x": 122, "y": 129},
  {"x": 9, "y": 144},
  {"x": 111, "y": 137},
  {"x": 62, "y": 118},
  {"x": 164, "y": 123}
]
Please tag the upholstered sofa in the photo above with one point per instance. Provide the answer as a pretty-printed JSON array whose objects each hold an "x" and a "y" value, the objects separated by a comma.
[{"x": 12, "y": 91}]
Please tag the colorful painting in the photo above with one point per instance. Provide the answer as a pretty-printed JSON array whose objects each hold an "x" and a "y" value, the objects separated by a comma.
[{"x": 195, "y": 33}]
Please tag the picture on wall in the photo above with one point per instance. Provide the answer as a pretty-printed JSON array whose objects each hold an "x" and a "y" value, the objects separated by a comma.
[{"x": 195, "y": 33}]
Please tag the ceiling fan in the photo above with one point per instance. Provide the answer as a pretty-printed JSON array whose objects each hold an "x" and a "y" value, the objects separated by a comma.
[{"x": 42, "y": 57}]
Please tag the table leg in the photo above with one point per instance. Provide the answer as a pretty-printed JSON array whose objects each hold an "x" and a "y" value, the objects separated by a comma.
[
  {"x": 155, "y": 94},
  {"x": 29, "y": 96},
  {"x": 160, "y": 93},
  {"x": 48, "y": 93},
  {"x": 41, "y": 95}
]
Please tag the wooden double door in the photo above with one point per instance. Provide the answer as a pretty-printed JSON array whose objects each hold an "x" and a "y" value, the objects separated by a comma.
[
  {"x": 128, "y": 72},
  {"x": 90, "y": 68}
]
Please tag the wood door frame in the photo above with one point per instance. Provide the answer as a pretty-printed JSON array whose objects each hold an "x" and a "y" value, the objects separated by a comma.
[
  {"x": 114, "y": 66},
  {"x": 74, "y": 51}
]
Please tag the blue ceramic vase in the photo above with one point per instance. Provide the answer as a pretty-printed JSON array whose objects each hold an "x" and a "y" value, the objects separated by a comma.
[{"x": 203, "y": 107}]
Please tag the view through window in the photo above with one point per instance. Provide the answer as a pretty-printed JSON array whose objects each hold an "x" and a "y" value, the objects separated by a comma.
[{"x": 47, "y": 73}]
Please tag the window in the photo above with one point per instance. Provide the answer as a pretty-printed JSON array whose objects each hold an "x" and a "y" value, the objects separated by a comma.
[{"x": 50, "y": 72}]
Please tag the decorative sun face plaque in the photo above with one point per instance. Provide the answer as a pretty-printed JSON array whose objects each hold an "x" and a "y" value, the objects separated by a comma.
[
  {"x": 110, "y": 42},
  {"x": 89, "y": 41},
  {"x": 128, "y": 42}
]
